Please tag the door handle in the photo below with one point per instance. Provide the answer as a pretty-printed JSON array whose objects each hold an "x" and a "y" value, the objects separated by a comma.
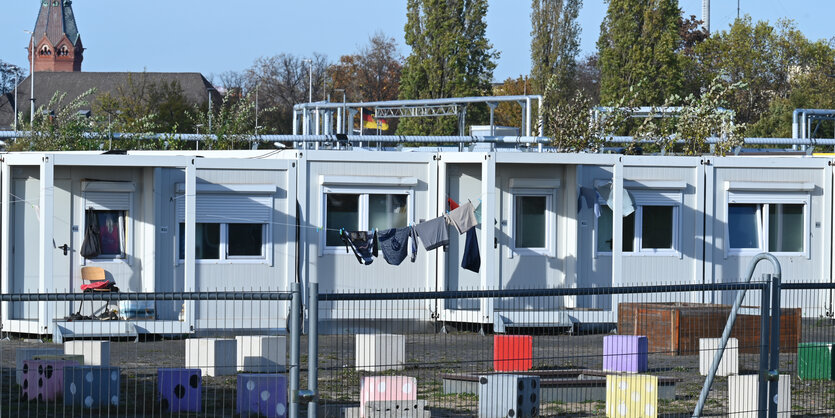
[
  {"x": 495, "y": 242},
  {"x": 65, "y": 247}
]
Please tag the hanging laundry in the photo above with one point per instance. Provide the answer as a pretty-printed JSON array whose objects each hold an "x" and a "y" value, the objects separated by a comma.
[
  {"x": 394, "y": 244},
  {"x": 463, "y": 218},
  {"x": 413, "y": 238},
  {"x": 472, "y": 257},
  {"x": 627, "y": 207},
  {"x": 452, "y": 204},
  {"x": 362, "y": 243},
  {"x": 433, "y": 233},
  {"x": 592, "y": 199},
  {"x": 477, "y": 213}
]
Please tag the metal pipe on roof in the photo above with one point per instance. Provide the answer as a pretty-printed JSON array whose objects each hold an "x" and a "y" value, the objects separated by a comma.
[{"x": 420, "y": 102}]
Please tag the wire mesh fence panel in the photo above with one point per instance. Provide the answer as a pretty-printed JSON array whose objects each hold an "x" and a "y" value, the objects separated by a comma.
[
  {"x": 535, "y": 355},
  {"x": 809, "y": 368},
  {"x": 208, "y": 354}
]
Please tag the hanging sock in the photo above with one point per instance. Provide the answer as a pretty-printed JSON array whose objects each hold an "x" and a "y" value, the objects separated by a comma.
[
  {"x": 433, "y": 233},
  {"x": 362, "y": 243},
  {"x": 413, "y": 238},
  {"x": 471, "y": 260},
  {"x": 463, "y": 218}
]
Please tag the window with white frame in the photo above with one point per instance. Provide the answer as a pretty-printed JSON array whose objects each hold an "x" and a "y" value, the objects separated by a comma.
[
  {"x": 232, "y": 224},
  {"x": 763, "y": 221},
  {"x": 107, "y": 208},
  {"x": 356, "y": 203},
  {"x": 652, "y": 228},
  {"x": 532, "y": 204}
]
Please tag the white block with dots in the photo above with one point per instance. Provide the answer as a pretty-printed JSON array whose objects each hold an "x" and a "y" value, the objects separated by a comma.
[
  {"x": 262, "y": 354},
  {"x": 96, "y": 353},
  {"x": 709, "y": 347},
  {"x": 508, "y": 395},
  {"x": 743, "y": 391},
  {"x": 213, "y": 356},
  {"x": 379, "y": 352}
]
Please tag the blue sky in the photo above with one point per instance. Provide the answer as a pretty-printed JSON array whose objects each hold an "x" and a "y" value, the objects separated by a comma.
[{"x": 213, "y": 36}]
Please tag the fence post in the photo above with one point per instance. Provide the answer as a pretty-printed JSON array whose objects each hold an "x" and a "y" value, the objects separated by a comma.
[
  {"x": 765, "y": 311},
  {"x": 295, "y": 342},
  {"x": 774, "y": 343},
  {"x": 313, "y": 349}
]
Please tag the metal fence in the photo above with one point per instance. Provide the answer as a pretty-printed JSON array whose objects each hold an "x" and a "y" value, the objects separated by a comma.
[
  {"x": 110, "y": 354},
  {"x": 431, "y": 354}
]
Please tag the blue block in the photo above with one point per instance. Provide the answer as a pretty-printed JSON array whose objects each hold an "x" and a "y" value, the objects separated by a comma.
[
  {"x": 91, "y": 386},
  {"x": 180, "y": 389},
  {"x": 262, "y": 394}
]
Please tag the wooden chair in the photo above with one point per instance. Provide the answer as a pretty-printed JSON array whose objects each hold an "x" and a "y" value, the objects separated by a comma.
[{"x": 92, "y": 275}]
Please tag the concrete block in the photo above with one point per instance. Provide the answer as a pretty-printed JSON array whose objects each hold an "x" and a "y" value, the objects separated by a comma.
[
  {"x": 709, "y": 347},
  {"x": 379, "y": 352},
  {"x": 383, "y": 389},
  {"x": 43, "y": 380},
  {"x": 96, "y": 353},
  {"x": 214, "y": 356},
  {"x": 262, "y": 354},
  {"x": 262, "y": 394},
  {"x": 180, "y": 390},
  {"x": 743, "y": 391},
  {"x": 508, "y": 395},
  {"x": 632, "y": 396},
  {"x": 23, "y": 354},
  {"x": 91, "y": 386},
  {"x": 625, "y": 353},
  {"x": 814, "y": 361},
  {"x": 512, "y": 353}
]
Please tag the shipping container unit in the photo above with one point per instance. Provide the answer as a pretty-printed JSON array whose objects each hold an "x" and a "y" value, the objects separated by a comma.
[
  {"x": 362, "y": 190},
  {"x": 780, "y": 205},
  {"x": 168, "y": 222}
]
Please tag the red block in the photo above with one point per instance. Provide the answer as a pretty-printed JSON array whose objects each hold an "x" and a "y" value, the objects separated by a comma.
[{"x": 512, "y": 353}]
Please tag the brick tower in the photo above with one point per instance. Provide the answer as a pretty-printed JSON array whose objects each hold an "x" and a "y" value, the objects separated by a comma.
[{"x": 57, "y": 42}]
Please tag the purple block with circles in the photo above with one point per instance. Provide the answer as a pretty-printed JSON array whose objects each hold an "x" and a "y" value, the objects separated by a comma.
[
  {"x": 625, "y": 353},
  {"x": 180, "y": 390},
  {"x": 91, "y": 386},
  {"x": 43, "y": 380},
  {"x": 262, "y": 394}
]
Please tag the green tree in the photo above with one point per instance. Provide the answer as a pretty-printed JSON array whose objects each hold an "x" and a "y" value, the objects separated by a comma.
[
  {"x": 555, "y": 43},
  {"x": 779, "y": 65},
  {"x": 637, "y": 46},
  {"x": 450, "y": 57},
  {"x": 58, "y": 126}
]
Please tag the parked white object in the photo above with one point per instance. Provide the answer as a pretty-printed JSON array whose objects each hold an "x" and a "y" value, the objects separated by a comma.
[
  {"x": 742, "y": 396},
  {"x": 262, "y": 354},
  {"x": 709, "y": 347},
  {"x": 378, "y": 352},
  {"x": 213, "y": 356},
  {"x": 96, "y": 353}
]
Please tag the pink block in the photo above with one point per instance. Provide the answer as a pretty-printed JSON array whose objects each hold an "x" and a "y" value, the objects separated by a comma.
[
  {"x": 43, "y": 380},
  {"x": 387, "y": 388}
]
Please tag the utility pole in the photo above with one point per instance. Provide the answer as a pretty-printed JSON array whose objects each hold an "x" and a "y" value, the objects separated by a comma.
[{"x": 310, "y": 83}]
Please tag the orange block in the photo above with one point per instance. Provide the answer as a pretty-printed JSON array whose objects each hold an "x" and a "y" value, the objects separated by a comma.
[{"x": 512, "y": 353}]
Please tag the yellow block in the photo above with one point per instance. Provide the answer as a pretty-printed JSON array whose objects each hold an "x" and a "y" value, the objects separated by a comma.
[{"x": 631, "y": 396}]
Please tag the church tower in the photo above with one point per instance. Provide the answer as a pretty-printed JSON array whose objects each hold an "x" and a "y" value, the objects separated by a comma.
[{"x": 57, "y": 44}]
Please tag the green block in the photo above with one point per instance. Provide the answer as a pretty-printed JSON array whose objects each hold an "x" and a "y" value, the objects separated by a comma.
[{"x": 815, "y": 361}]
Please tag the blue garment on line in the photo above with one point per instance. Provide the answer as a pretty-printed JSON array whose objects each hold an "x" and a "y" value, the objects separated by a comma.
[
  {"x": 472, "y": 256},
  {"x": 362, "y": 243},
  {"x": 394, "y": 244}
]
